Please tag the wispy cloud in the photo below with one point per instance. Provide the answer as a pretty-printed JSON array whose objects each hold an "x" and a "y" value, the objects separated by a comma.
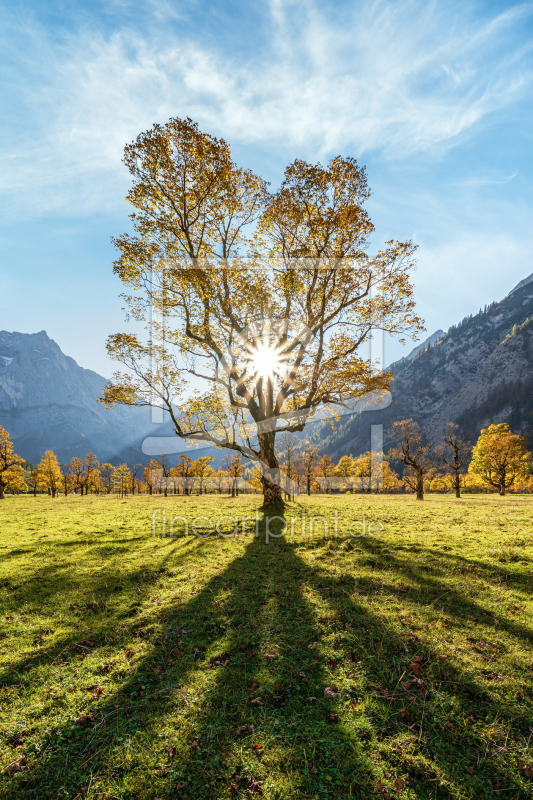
[
  {"x": 488, "y": 180},
  {"x": 394, "y": 77}
]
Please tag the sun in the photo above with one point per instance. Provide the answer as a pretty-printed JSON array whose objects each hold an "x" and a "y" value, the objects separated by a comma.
[{"x": 265, "y": 360}]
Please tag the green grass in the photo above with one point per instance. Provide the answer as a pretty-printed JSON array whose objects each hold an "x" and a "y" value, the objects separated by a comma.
[{"x": 129, "y": 663}]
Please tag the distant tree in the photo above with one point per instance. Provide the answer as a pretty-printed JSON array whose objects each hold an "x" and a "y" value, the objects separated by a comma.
[
  {"x": 202, "y": 470},
  {"x": 454, "y": 453},
  {"x": 309, "y": 460},
  {"x": 344, "y": 469},
  {"x": 66, "y": 477},
  {"x": 185, "y": 470},
  {"x": 91, "y": 477},
  {"x": 326, "y": 472},
  {"x": 500, "y": 457},
  {"x": 77, "y": 472},
  {"x": 48, "y": 473},
  {"x": 390, "y": 480},
  {"x": 233, "y": 467},
  {"x": 362, "y": 469},
  {"x": 122, "y": 479},
  {"x": 10, "y": 463},
  {"x": 287, "y": 449},
  {"x": 134, "y": 481},
  {"x": 412, "y": 452},
  {"x": 150, "y": 475},
  {"x": 221, "y": 480},
  {"x": 107, "y": 477}
]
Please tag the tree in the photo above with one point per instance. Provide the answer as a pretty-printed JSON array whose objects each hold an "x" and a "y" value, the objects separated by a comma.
[
  {"x": 77, "y": 471},
  {"x": 134, "y": 480},
  {"x": 309, "y": 465},
  {"x": 185, "y": 469},
  {"x": 454, "y": 453},
  {"x": 500, "y": 457},
  {"x": 362, "y": 469},
  {"x": 413, "y": 453},
  {"x": 150, "y": 475},
  {"x": 232, "y": 466},
  {"x": 10, "y": 463},
  {"x": 390, "y": 481},
  {"x": 107, "y": 477},
  {"x": 271, "y": 325},
  {"x": 48, "y": 473},
  {"x": 287, "y": 450},
  {"x": 344, "y": 469},
  {"x": 202, "y": 470},
  {"x": 326, "y": 471},
  {"x": 122, "y": 479}
]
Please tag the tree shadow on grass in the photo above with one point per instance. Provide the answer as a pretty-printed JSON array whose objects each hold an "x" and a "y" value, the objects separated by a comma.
[{"x": 277, "y": 677}]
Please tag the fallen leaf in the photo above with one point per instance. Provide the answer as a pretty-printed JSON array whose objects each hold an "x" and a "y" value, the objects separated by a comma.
[
  {"x": 17, "y": 766},
  {"x": 270, "y": 656},
  {"x": 176, "y": 652},
  {"x": 258, "y": 748},
  {"x": 28, "y": 666},
  {"x": 312, "y": 646},
  {"x": 85, "y": 718},
  {"x": 332, "y": 717},
  {"x": 172, "y": 752},
  {"x": 254, "y": 787},
  {"x": 528, "y": 772},
  {"x": 329, "y": 692},
  {"x": 332, "y": 663},
  {"x": 243, "y": 730},
  {"x": 415, "y": 668},
  {"x": 448, "y": 725},
  {"x": 398, "y": 786},
  {"x": 311, "y": 699},
  {"x": 253, "y": 687},
  {"x": 195, "y": 745},
  {"x": 404, "y": 712},
  {"x": 256, "y": 701}
]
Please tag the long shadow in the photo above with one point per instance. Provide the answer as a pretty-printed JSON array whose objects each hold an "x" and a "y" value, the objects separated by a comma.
[{"x": 320, "y": 697}]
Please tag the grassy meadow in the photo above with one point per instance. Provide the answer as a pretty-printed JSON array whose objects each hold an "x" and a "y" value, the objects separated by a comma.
[{"x": 394, "y": 664}]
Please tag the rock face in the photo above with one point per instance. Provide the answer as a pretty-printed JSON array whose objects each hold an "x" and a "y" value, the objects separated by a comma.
[
  {"x": 480, "y": 372},
  {"x": 47, "y": 401}
]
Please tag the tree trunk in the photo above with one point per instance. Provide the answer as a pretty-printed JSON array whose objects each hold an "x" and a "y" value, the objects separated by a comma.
[
  {"x": 270, "y": 479},
  {"x": 2, "y": 496},
  {"x": 502, "y": 489},
  {"x": 309, "y": 486},
  {"x": 420, "y": 486}
]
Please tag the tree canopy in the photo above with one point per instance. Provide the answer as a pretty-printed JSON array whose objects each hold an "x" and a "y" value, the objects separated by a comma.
[
  {"x": 10, "y": 465},
  {"x": 500, "y": 457}
]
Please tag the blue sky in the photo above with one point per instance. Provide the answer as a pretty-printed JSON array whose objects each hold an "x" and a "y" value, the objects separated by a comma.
[{"x": 435, "y": 98}]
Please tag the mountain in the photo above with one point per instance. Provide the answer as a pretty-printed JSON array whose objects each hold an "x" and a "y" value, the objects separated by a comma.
[
  {"x": 431, "y": 340},
  {"x": 480, "y": 372},
  {"x": 47, "y": 401}
]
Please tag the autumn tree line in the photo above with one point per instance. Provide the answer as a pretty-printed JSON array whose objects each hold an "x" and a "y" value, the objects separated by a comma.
[{"x": 500, "y": 462}]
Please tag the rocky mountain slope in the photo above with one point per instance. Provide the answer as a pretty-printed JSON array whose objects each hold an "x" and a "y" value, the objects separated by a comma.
[
  {"x": 48, "y": 401},
  {"x": 479, "y": 372}
]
